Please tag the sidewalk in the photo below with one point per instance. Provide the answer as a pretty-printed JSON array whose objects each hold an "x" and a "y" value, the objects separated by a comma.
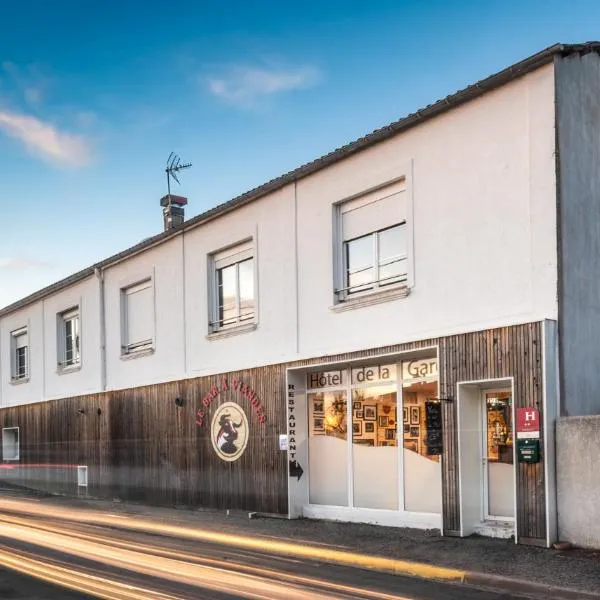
[{"x": 486, "y": 562}]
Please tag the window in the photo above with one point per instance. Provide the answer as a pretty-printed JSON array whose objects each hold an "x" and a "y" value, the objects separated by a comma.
[
  {"x": 69, "y": 346},
  {"x": 234, "y": 299},
  {"x": 374, "y": 250},
  {"x": 10, "y": 443},
  {"x": 20, "y": 354},
  {"x": 137, "y": 317}
]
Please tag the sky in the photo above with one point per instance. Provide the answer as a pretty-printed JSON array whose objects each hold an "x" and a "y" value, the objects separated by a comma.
[{"x": 95, "y": 96}]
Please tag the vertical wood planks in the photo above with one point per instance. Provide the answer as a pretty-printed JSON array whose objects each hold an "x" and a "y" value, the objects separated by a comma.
[{"x": 139, "y": 445}]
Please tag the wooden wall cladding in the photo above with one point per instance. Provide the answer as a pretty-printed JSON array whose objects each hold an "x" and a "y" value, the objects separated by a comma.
[
  {"x": 139, "y": 445},
  {"x": 143, "y": 447}
]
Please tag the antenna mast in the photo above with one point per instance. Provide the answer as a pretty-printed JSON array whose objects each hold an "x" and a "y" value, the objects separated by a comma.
[{"x": 173, "y": 167}]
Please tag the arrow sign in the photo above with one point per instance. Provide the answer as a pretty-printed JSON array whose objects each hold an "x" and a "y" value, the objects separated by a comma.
[{"x": 295, "y": 469}]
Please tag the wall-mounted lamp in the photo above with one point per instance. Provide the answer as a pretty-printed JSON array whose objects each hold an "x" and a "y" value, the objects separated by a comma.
[
  {"x": 81, "y": 411},
  {"x": 179, "y": 401}
]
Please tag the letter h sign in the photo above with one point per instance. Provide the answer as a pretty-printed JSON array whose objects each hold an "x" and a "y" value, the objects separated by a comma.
[{"x": 528, "y": 420}]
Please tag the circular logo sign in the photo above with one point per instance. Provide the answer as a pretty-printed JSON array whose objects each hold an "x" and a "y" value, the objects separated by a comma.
[{"x": 229, "y": 431}]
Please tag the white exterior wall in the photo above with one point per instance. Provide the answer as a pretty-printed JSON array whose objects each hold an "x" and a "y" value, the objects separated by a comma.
[
  {"x": 270, "y": 223},
  {"x": 482, "y": 190},
  {"x": 45, "y": 379},
  {"x": 86, "y": 380},
  {"x": 484, "y": 218},
  {"x": 164, "y": 264}
]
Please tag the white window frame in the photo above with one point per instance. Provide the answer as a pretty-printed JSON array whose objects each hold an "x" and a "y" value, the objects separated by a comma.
[
  {"x": 377, "y": 283},
  {"x": 16, "y": 450},
  {"x": 232, "y": 255},
  {"x": 15, "y": 377},
  {"x": 343, "y": 300},
  {"x": 72, "y": 314},
  {"x": 142, "y": 346}
]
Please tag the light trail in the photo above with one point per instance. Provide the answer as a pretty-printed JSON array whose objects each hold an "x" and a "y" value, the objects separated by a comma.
[
  {"x": 239, "y": 541},
  {"x": 72, "y": 579},
  {"x": 177, "y": 567},
  {"x": 269, "y": 574}
]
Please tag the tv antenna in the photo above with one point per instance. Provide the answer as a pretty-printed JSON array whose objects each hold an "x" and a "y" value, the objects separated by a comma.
[{"x": 173, "y": 167}]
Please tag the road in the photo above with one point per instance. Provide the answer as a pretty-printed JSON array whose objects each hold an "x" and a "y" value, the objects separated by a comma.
[{"x": 101, "y": 556}]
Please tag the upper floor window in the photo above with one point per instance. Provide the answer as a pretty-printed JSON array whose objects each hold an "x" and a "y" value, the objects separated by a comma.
[
  {"x": 373, "y": 253},
  {"x": 69, "y": 346},
  {"x": 137, "y": 317},
  {"x": 19, "y": 340},
  {"x": 233, "y": 298}
]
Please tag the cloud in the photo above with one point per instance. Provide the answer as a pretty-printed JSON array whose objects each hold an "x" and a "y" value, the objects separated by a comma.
[
  {"x": 243, "y": 86},
  {"x": 43, "y": 139},
  {"x": 16, "y": 264},
  {"x": 28, "y": 80}
]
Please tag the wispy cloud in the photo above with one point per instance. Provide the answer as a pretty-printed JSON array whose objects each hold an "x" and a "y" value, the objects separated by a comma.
[
  {"x": 245, "y": 86},
  {"x": 45, "y": 140},
  {"x": 17, "y": 264},
  {"x": 28, "y": 81}
]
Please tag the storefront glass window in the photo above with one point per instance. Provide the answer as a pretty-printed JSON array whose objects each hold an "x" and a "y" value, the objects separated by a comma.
[
  {"x": 356, "y": 421},
  {"x": 328, "y": 448},
  {"x": 422, "y": 437},
  {"x": 374, "y": 448}
]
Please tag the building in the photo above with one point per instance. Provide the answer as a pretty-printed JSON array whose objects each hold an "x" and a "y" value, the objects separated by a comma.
[{"x": 353, "y": 340}]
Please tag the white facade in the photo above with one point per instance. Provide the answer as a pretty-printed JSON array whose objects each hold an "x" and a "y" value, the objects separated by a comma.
[{"x": 479, "y": 198}]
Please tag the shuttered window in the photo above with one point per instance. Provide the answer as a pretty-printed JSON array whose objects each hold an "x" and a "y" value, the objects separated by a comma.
[
  {"x": 20, "y": 354},
  {"x": 234, "y": 297},
  {"x": 374, "y": 241},
  {"x": 69, "y": 343},
  {"x": 138, "y": 317}
]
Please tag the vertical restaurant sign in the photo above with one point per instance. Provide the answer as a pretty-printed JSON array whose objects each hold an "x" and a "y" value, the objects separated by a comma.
[
  {"x": 237, "y": 385},
  {"x": 295, "y": 469},
  {"x": 291, "y": 422}
]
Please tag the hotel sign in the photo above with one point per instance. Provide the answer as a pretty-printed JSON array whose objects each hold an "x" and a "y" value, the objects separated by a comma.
[
  {"x": 528, "y": 423},
  {"x": 419, "y": 369}
]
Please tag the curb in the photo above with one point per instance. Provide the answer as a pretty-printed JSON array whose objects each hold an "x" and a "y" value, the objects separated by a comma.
[
  {"x": 286, "y": 547},
  {"x": 538, "y": 590},
  {"x": 457, "y": 576}
]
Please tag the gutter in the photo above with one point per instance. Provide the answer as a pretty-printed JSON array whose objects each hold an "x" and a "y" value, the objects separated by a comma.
[{"x": 99, "y": 273}]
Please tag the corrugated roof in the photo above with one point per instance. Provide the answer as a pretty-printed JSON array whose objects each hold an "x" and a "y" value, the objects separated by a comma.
[{"x": 469, "y": 93}]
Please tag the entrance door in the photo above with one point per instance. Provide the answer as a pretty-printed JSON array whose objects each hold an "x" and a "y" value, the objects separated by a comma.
[{"x": 498, "y": 468}]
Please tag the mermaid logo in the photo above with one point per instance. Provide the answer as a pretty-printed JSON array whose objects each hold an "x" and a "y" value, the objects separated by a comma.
[{"x": 229, "y": 431}]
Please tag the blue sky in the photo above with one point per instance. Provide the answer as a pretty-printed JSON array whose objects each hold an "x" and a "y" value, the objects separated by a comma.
[{"x": 94, "y": 97}]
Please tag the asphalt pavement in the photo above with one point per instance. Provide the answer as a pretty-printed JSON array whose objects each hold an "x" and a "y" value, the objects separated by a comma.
[{"x": 101, "y": 554}]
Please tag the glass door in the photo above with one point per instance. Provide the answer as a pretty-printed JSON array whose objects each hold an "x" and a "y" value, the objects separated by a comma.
[{"x": 498, "y": 468}]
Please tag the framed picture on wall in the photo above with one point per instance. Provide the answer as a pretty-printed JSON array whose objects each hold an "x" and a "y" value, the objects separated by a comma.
[
  {"x": 359, "y": 414},
  {"x": 414, "y": 415},
  {"x": 318, "y": 425},
  {"x": 369, "y": 427},
  {"x": 406, "y": 428},
  {"x": 357, "y": 428},
  {"x": 318, "y": 406},
  {"x": 411, "y": 445},
  {"x": 369, "y": 412},
  {"x": 390, "y": 434},
  {"x": 383, "y": 421},
  {"x": 414, "y": 431},
  {"x": 405, "y": 414},
  {"x": 365, "y": 442},
  {"x": 356, "y": 405}
]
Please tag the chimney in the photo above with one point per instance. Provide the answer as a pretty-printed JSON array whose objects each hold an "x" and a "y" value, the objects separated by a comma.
[{"x": 173, "y": 213}]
